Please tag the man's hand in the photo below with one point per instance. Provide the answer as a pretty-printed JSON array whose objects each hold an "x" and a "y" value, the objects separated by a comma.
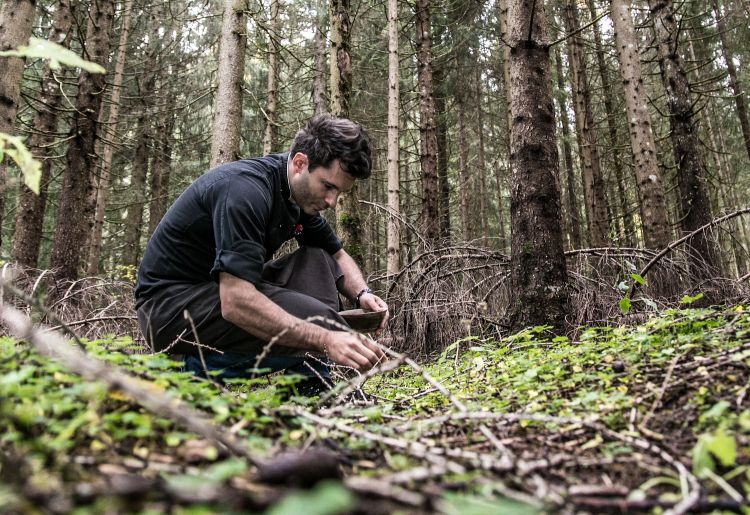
[
  {"x": 353, "y": 350},
  {"x": 371, "y": 302},
  {"x": 354, "y": 282}
]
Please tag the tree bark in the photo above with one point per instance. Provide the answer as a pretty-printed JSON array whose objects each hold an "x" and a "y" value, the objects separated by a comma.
[
  {"x": 161, "y": 171},
  {"x": 134, "y": 217},
  {"x": 225, "y": 137},
  {"x": 29, "y": 224},
  {"x": 340, "y": 58},
  {"x": 394, "y": 182},
  {"x": 739, "y": 95},
  {"x": 502, "y": 16},
  {"x": 538, "y": 269},
  {"x": 428, "y": 137},
  {"x": 269, "y": 137},
  {"x": 596, "y": 196},
  {"x": 482, "y": 167},
  {"x": 626, "y": 216},
  {"x": 464, "y": 175},
  {"x": 504, "y": 80},
  {"x": 653, "y": 206},
  {"x": 16, "y": 23},
  {"x": 696, "y": 210},
  {"x": 441, "y": 136},
  {"x": 319, "y": 79},
  {"x": 726, "y": 192},
  {"x": 110, "y": 130},
  {"x": 574, "y": 217},
  {"x": 500, "y": 183},
  {"x": 348, "y": 219},
  {"x": 75, "y": 214}
]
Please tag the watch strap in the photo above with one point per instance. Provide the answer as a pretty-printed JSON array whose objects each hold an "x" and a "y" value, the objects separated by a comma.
[{"x": 362, "y": 292}]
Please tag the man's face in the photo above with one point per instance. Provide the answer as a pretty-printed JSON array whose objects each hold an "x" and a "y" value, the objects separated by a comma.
[{"x": 317, "y": 190}]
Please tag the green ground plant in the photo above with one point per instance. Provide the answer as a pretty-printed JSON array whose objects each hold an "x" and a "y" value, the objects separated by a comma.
[{"x": 650, "y": 417}]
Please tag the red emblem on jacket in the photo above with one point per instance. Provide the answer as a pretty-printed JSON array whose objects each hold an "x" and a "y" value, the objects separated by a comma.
[{"x": 298, "y": 229}]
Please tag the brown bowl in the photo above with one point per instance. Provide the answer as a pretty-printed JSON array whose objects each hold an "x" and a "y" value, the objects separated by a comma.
[{"x": 363, "y": 321}]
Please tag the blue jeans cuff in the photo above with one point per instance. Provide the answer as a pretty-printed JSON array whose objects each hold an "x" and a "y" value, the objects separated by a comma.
[{"x": 234, "y": 365}]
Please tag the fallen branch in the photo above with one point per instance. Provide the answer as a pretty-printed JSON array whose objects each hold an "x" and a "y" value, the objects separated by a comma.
[
  {"x": 366, "y": 485},
  {"x": 691, "y": 486},
  {"x": 507, "y": 455},
  {"x": 90, "y": 321},
  {"x": 676, "y": 243},
  {"x": 151, "y": 397}
]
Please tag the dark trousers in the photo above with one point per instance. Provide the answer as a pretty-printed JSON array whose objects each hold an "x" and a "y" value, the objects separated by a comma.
[{"x": 302, "y": 283}]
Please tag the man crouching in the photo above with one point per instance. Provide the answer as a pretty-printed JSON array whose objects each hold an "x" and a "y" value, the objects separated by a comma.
[{"x": 207, "y": 279}]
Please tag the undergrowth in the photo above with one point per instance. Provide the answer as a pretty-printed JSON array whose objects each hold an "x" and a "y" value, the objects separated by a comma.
[{"x": 634, "y": 418}]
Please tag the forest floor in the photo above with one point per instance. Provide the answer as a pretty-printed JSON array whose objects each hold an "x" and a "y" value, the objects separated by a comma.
[{"x": 650, "y": 418}]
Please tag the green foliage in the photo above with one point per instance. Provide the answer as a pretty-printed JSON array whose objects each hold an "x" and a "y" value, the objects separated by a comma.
[
  {"x": 127, "y": 273},
  {"x": 610, "y": 374},
  {"x": 13, "y": 147},
  {"x": 625, "y": 305},
  {"x": 327, "y": 498},
  {"x": 474, "y": 505},
  {"x": 687, "y": 299},
  {"x": 56, "y": 54},
  {"x": 600, "y": 374},
  {"x": 717, "y": 445}
]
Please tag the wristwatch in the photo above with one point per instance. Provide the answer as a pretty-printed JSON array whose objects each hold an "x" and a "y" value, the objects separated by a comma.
[{"x": 364, "y": 290}]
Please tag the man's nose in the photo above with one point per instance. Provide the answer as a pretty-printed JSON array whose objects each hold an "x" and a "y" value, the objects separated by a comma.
[{"x": 331, "y": 200}]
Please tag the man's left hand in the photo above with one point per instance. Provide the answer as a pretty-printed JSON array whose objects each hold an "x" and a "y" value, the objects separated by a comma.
[{"x": 371, "y": 302}]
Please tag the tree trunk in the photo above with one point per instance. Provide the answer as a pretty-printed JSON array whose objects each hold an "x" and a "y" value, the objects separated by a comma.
[
  {"x": 627, "y": 217},
  {"x": 319, "y": 79},
  {"x": 161, "y": 171},
  {"x": 653, "y": 206},
  {"x": 394, "y": 182},
  {"x": 574, "y": 217},
  {"x": 500, "y": 183},
  {"x": 225, "y": 137},
  {"x": 75, "y": 214},
  {"x": 482, "y": 167},
  {"x": 16, "y": 23},
  {"x": 428, "y": 137},
  {"x": 269, "y": 138},
  {"x": 727, "y": 192},
  {"x": 504, "y": 80},
  {"x": 30, "y": 215},
  {"x": 110, "y": 130},
  {"x": 538, "y": 270},
  {"x": 340, "y": 58},
  {"x": 441, "y": 136},
  {"x": 348, "y": 219},
  {"x": 502, "y": 16},
  {"x": 464, "y": 176},
  {"x": 696, "y": 210},
  {"x": 739, "y": 96},
  {"x": 134, "y": 217},
  {"x": 596, "y": 196},
  {"x": 743, "y": 234}
]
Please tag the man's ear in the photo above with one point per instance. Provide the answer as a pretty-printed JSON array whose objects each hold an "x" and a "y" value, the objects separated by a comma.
[{"x": 300, "y": 162}]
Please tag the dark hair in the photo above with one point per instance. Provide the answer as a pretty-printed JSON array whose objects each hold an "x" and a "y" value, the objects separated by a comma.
[{"x": 326, "y": 138}]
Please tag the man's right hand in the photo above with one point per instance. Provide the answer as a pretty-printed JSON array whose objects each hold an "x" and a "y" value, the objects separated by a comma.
[{"x": 353, "y": 350}]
